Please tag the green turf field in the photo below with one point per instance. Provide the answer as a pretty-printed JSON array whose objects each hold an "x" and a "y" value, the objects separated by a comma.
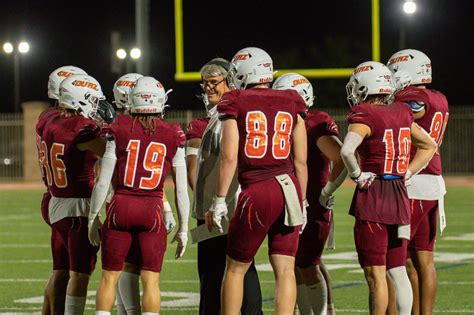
[{"x": 25, "y": 261}]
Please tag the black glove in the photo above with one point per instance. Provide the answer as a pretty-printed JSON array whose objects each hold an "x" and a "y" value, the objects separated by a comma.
[{"x": 106, "y": 111}]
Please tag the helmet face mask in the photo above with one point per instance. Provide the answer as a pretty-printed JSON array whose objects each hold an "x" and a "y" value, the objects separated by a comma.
[
  {"x": 57, "y": 76},
  {"x": 250, "y": 65},
  {"x": 81, "y": 93},
  {"x": 148, "y": 96},
  {"x": 410, "y": 67},
  {"x": 122, "y": 88},
  {"x": 369, "y": 78},
  {"x": 297, "y": 82}
]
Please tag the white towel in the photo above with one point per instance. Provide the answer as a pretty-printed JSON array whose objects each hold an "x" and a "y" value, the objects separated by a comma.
[{"x": 293, "y": 211}]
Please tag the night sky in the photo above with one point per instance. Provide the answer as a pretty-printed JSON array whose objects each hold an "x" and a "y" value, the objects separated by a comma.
[{"x": 305, "y": 34}]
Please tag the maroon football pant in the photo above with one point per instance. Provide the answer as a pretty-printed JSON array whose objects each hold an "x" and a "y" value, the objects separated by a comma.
[
  {"x": 134, "y": 219},
  {"x": 260, "y": 212},
  {"x": 424, "y": 218}
]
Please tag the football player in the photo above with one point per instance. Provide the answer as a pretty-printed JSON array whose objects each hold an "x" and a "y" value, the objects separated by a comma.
[
  {"x": 323, "y": 148},
  {"x": 211, "y": 252},
  {"x": 55, "y": 291},
  {"x": 142, "y": 149},
  {"x": 412, "y": 72},
  {"x": 382, "y": 136},
  {"x": 68, "y": 142},
  {"x": 261, "y": 127}
]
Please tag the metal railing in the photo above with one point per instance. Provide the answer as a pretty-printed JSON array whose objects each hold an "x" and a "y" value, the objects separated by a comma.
[{"x": 457, "y": 149}]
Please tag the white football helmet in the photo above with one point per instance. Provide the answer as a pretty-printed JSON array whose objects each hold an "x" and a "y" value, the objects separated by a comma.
[
  {"x": 57, "y": 76},
  {"x": 81, "y": 92},
  {"x": 297, "y": 82},
  {"x": 148, "y": 96},
  {"x": 369, "y": 78},
  {"x": 122, "y": 87},
  {"x": 410, "y": 67},
  {"x": 250, "y": 65}
]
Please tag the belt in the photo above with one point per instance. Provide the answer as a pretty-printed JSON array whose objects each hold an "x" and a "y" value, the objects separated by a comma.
[{"x": 390, "y": 177}]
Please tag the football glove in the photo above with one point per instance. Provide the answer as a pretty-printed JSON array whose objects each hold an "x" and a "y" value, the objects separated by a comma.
[
  {"x": 170, "y": 222},
  {"x": 364, "y": 180},
  {"x": 326, "y": 201},
  {"x": 93, "y": 233},
  {"x": 182, "y": 238},
  {"x": 106, "y": 111},
  {"x": 305, "y": 215},
  {"x": 219, "y": 211}
]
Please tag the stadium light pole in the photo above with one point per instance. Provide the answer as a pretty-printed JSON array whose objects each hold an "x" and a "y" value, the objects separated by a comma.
[
  {"x": 409, "y": 8},
  {"x": 23, "y": 48}
]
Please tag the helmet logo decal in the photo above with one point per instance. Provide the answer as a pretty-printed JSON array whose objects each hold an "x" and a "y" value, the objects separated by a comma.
[
  {"x": 125, "y": 83},
  {"x": 398, "y": 59},
  {"x": 299, "y": 81},
  {"x": 363, "y": 68},
  {"x": 86, "y": 84},
  {"x": 241, "y": 57},
  {"x": 63, "y": 73}
]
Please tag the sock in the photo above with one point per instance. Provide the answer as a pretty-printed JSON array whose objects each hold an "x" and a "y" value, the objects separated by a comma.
[
  {"x": 331, "y": 309},
  {"x": 150, "y": 313},
  {"x": 102, "y": 313},
  {"x": 118, "y": 302},
  {"x": 403, "y": 290},
  {"x": 74, "y": 305},
  {"x": 302, "y": 299},
  {"x": 129, "y": 288},
  {"x": 318, "y": 297}
]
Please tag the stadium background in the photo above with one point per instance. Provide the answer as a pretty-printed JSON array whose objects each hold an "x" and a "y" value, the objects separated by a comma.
[{"x": 299, "y": 36}]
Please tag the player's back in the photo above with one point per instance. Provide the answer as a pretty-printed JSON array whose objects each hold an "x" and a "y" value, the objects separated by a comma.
[
  {"x": 47, "y": 115},
  {"x": 318, "y": 124},
  {"x": 434, "y": 120},
  {"x": 69, "y": 171},
  {"x": 266, "y": 119},
  {"x": 386, "y": 151},
  {"x": 143, "y": 157}
]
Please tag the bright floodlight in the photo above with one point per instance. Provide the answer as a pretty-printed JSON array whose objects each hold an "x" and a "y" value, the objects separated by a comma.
[
  {"x": 121, "y": 53},
  {"x": 23, "y": 47},
  {"x": 135, "y": 53},
  {"x": 8, "y": 48},
  {"x": 409, "y": 7}
]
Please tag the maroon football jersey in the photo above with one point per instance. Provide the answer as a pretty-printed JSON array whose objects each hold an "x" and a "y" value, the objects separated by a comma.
[
  {"x": 434, "y": 120},
  {"x": 69, "y": 171},
  {"x": 43, "y": 119},
  {"x": 265, "y": 119},
  {"x": 387, "y": 150},
  {"x": 143, "y": 158},
  {"x": 196, "y": 128},
  {"x": 318, "y": 124}
]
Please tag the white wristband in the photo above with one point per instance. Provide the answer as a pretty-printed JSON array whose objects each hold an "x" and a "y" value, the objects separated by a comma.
[
  {"x": 167, "y": 207},
  {"x": 191, "y": 151},
  {"x": 219, "y": 200}
]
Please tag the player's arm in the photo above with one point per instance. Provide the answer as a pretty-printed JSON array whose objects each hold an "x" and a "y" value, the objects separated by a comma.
[
  {"x": 330, "y": 146},
  {"x": 426, "y": 148},
  {"x": 101, "y": 188},
  {"x": 300, "y": 153},
  {"x": 227, "y": 167},
  {"x": 181, "y": 200},
  {"x": 96, "y": 145},
  {"x": 192, "y": 148},
  {"x": 355, "y": 135}
]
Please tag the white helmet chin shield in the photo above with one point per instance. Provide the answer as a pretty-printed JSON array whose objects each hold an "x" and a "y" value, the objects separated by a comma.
[
  {"x": 297, "y": 82},
  {"x": 122, "y": 88},
  {"x": 369, "y": 78},
  {"x": 410, "y": 67},
  {"x": 148, "y": 96},
  {"x": 57, "y": 76},
  {"x": 250, "y": 66},
  {"x": 82, "y": 93}
]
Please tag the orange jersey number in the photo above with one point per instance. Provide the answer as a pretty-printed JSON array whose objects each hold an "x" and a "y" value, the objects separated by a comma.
[
  {"x": 257, "y": 135},
  {"x": 153, "y": 161},
  {"x": 404, "y": 143},
  {"x": 438, "y": 126},
  {"x": 50, "y": 160}
]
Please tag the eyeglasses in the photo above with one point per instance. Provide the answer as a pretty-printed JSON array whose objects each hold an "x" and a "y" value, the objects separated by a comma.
[{"x": 210, "y": 84}]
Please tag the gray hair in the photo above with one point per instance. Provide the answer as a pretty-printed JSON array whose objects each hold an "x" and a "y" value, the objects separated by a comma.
[{"x": 215, "y": 67}]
